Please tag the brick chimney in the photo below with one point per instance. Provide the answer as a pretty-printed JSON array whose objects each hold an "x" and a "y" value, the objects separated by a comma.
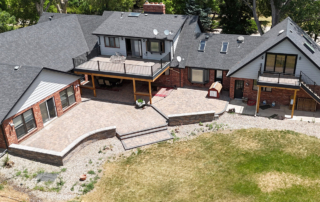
[{"x": 154, "y": 7}]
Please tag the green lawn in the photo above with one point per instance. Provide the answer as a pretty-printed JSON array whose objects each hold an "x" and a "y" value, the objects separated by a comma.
[{"x": 245, "y": 165}]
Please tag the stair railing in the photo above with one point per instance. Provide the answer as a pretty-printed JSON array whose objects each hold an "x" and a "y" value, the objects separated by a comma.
[{"x": 309, "y": 82}]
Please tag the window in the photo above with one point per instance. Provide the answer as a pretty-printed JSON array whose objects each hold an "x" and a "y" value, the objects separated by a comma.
[
  {"x": 112, "y": 42},
  {"x": 255, "y": 87},
  {"x": 309, "y": 47},
  {"x": 202, "y": 45},
  {"x": 155, "y": 46},
  {"x": 24, "y": 123},
  {"x": 219, "y": 76},
  {"x": 67, "y": 97},
  {"x": 198, "y": 75},
  {"x": 224, "y": 47},
  {"x": 281, "y": 63}
]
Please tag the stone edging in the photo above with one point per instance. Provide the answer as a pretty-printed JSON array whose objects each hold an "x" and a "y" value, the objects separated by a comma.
[
  {"x": 190, "y": 118},
  {"x": 58, "y": 158}
]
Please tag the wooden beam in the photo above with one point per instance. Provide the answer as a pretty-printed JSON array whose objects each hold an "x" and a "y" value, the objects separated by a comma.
[
  {"x": 142, "y": 94},
  {"x": 294, "y": 103},
  {"x": 87, "y": 87},
  {"x": 150, "y": 93},
  {"x": 258, "y": 100},
  {"x": 80, "y": 87},
  {"x": 113, "y": 76},
  {"x": 280, "y": 88},
  {"x": 161, "y": 73},
  {"x": 93, "y": 86},
  {"x": 134, "y": 89}
]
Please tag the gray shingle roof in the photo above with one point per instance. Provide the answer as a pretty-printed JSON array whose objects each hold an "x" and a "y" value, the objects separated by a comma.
[
  {"x": 211, "y": 58},
  {"x": 13, "y": 84},
  {"x": 50, "y": 44},
  {"x": 141, "y": 26},
  {"x": 292, "y": 32},
  {"x": 88, "y": 24}
]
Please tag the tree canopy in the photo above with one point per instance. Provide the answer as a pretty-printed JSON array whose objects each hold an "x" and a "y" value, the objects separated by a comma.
[{"x": 7, "y": 21}]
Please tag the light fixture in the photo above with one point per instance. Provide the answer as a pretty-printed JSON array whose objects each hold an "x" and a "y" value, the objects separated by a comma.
[
  {"x": 247, "y": 84},
  {"x": 144, "y": 40},
  {"x": 121, "y": 38},
  {"x": 262, "y": 57},
  {"x": 300, "y": 58},
  {"x": 11, "y": 124}
]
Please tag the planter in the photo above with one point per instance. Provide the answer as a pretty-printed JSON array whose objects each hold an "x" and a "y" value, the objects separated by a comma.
[
  {"x": 140, "y": 104},
  {"x": 83, "y": 177}
]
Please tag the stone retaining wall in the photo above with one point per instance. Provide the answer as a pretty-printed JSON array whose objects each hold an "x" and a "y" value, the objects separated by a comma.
[
  {"x": 184, "y": 119},
  {"x": 59, "y": 158}
]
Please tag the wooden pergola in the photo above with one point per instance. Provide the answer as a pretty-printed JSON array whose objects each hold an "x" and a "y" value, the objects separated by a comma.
[
  {"x": 134, "y": 79},
  {"x": 259, "y": 95}
]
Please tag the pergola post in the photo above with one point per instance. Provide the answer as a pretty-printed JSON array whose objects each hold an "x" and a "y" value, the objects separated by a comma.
[
  {"x": 294, "y": 103},
  {"x": 150, "y": 92},
  {"x": 93, "y": 86},
  {"x": 134, "y": 89},
  {"x": 258, "y": 99}
]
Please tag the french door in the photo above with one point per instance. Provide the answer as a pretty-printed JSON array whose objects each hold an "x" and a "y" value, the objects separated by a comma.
[{"x": 48, "y": 110}]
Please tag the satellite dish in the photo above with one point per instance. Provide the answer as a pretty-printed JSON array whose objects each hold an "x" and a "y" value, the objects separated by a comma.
[
  {"x": 166, "y": 32},
  {"x": 155, "y": 32},
  {"x": 179, "y": 58}
]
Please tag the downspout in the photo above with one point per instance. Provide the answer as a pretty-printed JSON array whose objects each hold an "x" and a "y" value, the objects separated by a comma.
[{"x": 4, "y": 137}]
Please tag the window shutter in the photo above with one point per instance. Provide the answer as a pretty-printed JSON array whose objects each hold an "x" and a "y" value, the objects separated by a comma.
[{"x": 162, "y": 47}]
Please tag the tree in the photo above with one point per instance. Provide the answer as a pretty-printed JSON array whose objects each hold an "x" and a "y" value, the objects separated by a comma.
[
  {"x": 7, "y": 21},
  {"x": 235, "y": 17},
  {"x": 253, "y": 8},
  {"x": 194, "y": 9},
  {"x": 3, "y": 5},
  {"x": 24, "y": 10}
]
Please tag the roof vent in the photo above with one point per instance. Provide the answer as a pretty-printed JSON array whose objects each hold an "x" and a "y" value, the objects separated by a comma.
[
  {"x": 146, "y": 14},
  {"x": 122, "y": 14},
  {"x": 281, "y": 31},
  {"x": 207, "y": 36},
  {"x": 16, "y": 67},
  {"x": 240, "y": 39}
]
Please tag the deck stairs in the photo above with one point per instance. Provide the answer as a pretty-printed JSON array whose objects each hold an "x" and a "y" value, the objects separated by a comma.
[
  {"x": 309, "y": 86},
  {"x": 144, "y": 137}
]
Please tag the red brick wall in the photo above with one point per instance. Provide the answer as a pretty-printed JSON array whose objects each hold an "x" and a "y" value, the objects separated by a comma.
[
  {"x": 280, "y": 96},
  {"x": 10, "y": 131},
  {"x": 179, "y": 77},
  {"x": 154, "y": 8}
]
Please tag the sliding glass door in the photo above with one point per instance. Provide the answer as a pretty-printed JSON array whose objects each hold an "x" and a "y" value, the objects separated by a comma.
[
  {"x": 48, "y": 110},
  {"x": 280, "y": 63},
  {"x": 136, "y": 48}
]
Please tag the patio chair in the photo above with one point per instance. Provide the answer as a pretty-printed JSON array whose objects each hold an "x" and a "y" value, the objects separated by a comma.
[
  {"x": 107, "y": 82},
  {"x": 119, "y": 82},
  {"x": 101, "y": 82}
]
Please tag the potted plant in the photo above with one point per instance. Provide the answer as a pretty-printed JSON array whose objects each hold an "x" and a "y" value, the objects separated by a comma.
[{"x": 140, "y": 103}]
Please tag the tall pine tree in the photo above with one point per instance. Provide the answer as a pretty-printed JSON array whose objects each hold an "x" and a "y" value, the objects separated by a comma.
[{"x": 192, "y": 8}]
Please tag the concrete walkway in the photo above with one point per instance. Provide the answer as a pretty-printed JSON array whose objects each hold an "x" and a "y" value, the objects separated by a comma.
[{"x": 281, "y": 111}]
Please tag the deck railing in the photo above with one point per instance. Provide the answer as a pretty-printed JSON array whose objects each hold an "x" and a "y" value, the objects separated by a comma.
[
  {"x": 122, "y": 67},
  {"x": 279, "y": 77}
]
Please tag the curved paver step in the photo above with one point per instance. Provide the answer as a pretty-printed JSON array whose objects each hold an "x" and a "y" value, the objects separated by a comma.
[
  {"x": 143, "y": 133},
  {"x": 146, "y": 139}
]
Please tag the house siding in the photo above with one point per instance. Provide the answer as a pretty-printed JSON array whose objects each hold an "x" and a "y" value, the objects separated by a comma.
[
  {"x": 46, "y": 84},
  {"x": 250, "y": 71},
  {"x": 9, "y": 131},
  {"x": 111, "y": 51}
]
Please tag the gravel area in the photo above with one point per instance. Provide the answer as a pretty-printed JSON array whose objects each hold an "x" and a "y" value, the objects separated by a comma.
[
  {"x": 87, "y": 159},
  {"x": 93, "y": 156}
]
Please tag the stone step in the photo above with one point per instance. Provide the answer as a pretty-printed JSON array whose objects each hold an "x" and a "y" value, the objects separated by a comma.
[
  {"x": 146, "y": 139},
  {"x": 143, "y": 133},
  {"x": 120, "y": 135}
]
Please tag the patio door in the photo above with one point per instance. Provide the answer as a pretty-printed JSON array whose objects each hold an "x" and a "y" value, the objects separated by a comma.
[
  {"x": 48, "y": 110},
  {"x": 136, "y": 48},
  {"x": 238, "y": 90}
]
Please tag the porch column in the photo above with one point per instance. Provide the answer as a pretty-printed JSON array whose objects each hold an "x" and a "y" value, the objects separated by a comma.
[
  {"x": 93, "y": 86},
  {"x": 258, "y": 99},
  {"x": 134, "y": 89},
  {"x": 294, "y": 103},
  {"x": 150, "y": 92}
]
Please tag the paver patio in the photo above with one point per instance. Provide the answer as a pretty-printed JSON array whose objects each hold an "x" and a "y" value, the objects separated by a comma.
[
  {"x": 188, "y": 100},
  {"x": 91, "y": 115}
]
